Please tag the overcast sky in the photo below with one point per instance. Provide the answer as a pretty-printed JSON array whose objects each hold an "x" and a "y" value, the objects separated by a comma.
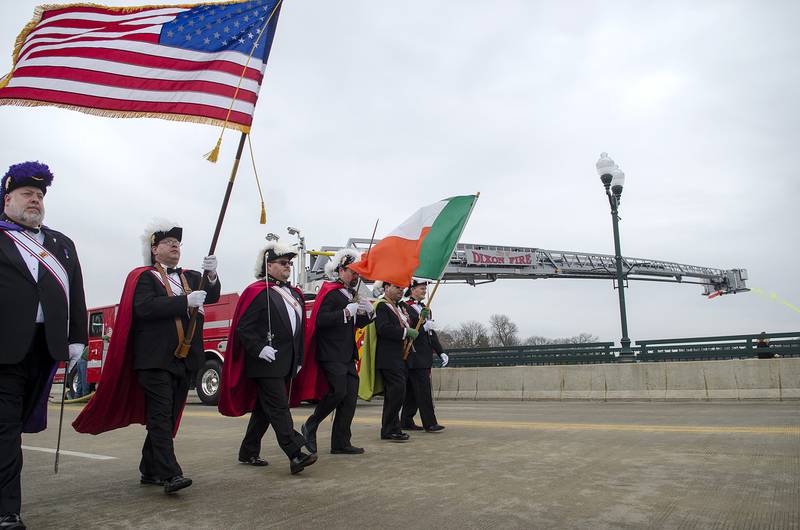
[{"x": 373, "y": 109}]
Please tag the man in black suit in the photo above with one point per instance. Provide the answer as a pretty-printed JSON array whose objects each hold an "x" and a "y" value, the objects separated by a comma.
[
  {"x": 270, "y": 330},
  {"x": 392, "y": 328},
  {"x": 163, "y": 298},
  {"x": 420, "y": 361},
  {"x": 42, "y": 319},
  {"x": 337, "y": 314}
]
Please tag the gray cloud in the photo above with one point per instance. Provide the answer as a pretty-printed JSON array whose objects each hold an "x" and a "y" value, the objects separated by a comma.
[{"x": 373, "y": 109}]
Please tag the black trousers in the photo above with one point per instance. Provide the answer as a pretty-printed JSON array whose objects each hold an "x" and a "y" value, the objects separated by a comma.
[
  {"x": 394, "y": 391},
  {"x": 20, "y": 386},
  {"x": 418, "y": 395},
  {"x": 165, "y": 395},
  {"x": 272, "y": 408},
  {"x": 341, "y": 397}
]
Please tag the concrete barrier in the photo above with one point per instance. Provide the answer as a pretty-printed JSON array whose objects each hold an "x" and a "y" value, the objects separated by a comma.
[{"x": 696, "y": 380}]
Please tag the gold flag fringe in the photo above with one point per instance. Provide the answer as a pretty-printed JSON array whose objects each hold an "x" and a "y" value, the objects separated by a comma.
[{"x": 124, "y": 114}]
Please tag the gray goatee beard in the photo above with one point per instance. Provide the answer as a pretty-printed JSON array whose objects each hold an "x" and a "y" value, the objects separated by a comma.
[{"x": 32, "y": 219}]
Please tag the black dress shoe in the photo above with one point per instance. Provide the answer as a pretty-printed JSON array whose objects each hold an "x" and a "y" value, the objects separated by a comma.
[
  {"x": 434, "y": 428},
  {"x": 178, "y": 482},
  {"x": 254, "y": 461},
  {"x": 349, "y": 450},
  {"x": 396, "y": 437},
  {"x": 147, "y": 479},
  {"x": 11, "y": 520},
  {"x": 411, "y": 426},
  {"x": 310, "y": 436},
  {"x": 301, "y": 461}
]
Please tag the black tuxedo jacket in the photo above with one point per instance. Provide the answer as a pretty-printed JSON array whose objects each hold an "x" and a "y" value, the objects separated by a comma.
[
  {"x": 155, "y": 337},
  {"x": 389, "y": 347},
  {"x": 253, "y": 328},
  {"x": 20, "y": 297},
  {"x": 425, "y": 345},
  {"x": 336, "y": 338}
]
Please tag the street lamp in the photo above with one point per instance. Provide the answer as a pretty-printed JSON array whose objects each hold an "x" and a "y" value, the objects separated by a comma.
[
  {"x": 613, "y": 180},
  {"x": 301, "y": 258}
]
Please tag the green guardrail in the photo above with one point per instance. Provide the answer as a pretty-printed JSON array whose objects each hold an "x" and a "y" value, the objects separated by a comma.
[{"x": 648, "y": 350}]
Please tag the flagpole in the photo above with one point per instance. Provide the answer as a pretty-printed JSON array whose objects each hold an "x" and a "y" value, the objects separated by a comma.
[
  {"x": 183, "y": 348},
  {"x": 421, "y": 321},
  {"x": 372, "y": 239}
]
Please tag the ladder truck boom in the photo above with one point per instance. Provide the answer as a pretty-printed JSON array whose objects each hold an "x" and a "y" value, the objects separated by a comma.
[{"x": 475, "y": 264}]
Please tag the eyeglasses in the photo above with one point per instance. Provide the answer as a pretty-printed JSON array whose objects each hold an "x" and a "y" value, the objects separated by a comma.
[
  {"x": 170, "y": 242},
  {"x": 283, "y": 262}
]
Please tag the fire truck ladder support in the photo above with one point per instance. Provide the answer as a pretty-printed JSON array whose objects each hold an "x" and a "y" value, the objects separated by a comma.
[{"x": 476, "y": 264}]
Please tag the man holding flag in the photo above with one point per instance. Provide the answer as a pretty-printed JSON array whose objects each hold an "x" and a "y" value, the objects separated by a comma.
[
  {"x": 42, "y": 319},
  {"x": 331, "y": 354},
  {"x": 420, "y": 361},
  {"x": 146, "y": 376}
]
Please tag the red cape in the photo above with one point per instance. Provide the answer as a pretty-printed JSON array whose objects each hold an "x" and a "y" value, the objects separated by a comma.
[
  {"x": 311, "y": 384},
  {"x": 237, "y": 392},
  {"x": 119, "y": 400}
]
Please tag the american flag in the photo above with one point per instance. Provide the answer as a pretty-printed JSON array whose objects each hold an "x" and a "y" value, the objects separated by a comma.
[{"x": 180, "y": 63}]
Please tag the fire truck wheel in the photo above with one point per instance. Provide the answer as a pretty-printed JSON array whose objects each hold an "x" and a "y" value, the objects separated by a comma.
[{"x": 207, "y": 383}]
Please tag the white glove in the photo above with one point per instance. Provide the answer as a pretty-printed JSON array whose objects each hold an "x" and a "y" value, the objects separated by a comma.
[
  {"x": 352, "y": 308},
  {"x": 268, "y": 353},
  {"x": 365, "y": 306},
  {"x": 299, "y": 367},
  {"x": 430, "y": 325},
  {"x": 75, "y": 353},
  {"x": 195, "y": 298},
  {"x": 445, "y": 359},
  {"x": 210, "y": 263}
]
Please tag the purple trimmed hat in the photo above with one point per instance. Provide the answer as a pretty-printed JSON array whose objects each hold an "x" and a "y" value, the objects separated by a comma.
[{"x": 33, "y": 174}]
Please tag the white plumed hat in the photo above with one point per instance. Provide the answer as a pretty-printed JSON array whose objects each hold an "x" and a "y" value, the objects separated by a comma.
[
  {"x": 270, "y": 252},
  {"x": 154, "y": 232},
  {"x": 342, "y": 258}
]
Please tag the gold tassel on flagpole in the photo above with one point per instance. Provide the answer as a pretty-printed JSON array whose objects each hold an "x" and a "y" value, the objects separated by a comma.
[
  {"x": 214, "y": 153},
  {"x": 263, "y": 220}
]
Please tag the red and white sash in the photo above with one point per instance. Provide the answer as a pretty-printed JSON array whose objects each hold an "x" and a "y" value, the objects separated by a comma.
[
  {"x": 400, "y": 314},
  {"x": 291, "y": 300},
  {"x": 29, "y": 244}
]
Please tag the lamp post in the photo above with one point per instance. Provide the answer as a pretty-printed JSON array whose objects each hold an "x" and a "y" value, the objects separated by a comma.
[
  {"x": 613, "y": 180},
  {"x": 301, "y": 267}
]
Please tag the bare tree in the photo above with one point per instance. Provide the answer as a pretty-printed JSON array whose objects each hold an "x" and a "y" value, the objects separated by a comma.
[
  {"x": 447, "y": 337},
  {"x": 471, "y": 334},
  {"x": 582, "y": 338},
  {"x": 504, "y": 332},
  {"x": 537, "y": 340}
]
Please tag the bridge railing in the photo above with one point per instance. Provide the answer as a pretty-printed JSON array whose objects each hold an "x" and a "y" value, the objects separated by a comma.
[
  {"x": 648, "y": 350},
  {"x": 587, "y": 353}
]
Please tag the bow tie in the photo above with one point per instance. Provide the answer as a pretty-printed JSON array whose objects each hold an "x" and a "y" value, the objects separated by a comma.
[{"x": 176, "y": 270}]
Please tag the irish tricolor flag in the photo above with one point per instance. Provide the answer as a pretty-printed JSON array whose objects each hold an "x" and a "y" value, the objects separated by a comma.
[{"x": 421, "y": 246}]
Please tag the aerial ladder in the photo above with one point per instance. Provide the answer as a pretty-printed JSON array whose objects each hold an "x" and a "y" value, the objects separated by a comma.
[{"x": 478, "y": 264}]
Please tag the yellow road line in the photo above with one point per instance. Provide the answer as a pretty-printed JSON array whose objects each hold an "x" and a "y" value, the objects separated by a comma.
[{"x": 559, "y": 426}]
